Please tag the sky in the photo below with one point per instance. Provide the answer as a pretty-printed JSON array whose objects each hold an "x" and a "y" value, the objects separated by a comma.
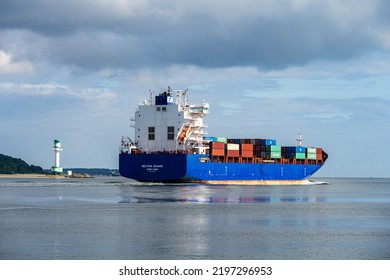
[{"x": 76, "y": 71}]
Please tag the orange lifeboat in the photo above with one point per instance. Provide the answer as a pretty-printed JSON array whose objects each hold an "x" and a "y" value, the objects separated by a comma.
[{"x": 183, "y": 133}]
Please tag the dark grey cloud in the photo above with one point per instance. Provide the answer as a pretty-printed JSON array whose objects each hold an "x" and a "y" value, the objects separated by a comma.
[{"x": 136, "y": 34}]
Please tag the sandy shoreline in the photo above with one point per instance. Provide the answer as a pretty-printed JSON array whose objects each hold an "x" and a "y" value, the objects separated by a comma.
[{"x": 30, "y": 176}]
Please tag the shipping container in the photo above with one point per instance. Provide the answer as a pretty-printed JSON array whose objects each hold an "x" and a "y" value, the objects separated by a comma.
[
  {"x": 235, "y": 147},
  {"x": 300, "y": 155},
  {"x": 267, "y": 142},
  {"x": 246, "y": 153},
  {"x": 273, "y": 148},
  {"x": 233, "y": 141},
  {"x": 257, "y": 148},
  {"x": 311, "y": 156},
  {"x": 275, "y": 154},
  {"x": 295, "y": 155},
  {"x": 294, "y": 149},
  {"x": 222, "y": 139},
  {"x": 319, "y": 151},
  {"x": 210, "y": 138},
  {"x": 217, "y": 145},
  {"x": 217, "y": 152},
  {"x": 272, "y": 155},
  {"x": 260, "y": 148},
  {"x": 233, "y": 153},
  {"x": 246, "y": 147},
  {"x": 311, "y": 150}
]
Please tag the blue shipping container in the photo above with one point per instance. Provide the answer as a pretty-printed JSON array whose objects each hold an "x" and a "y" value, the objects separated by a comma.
[
  {"x": 297, "y": 149},
  {"x": 210, "y": 138},
  {"x": 267, "y": 142}
]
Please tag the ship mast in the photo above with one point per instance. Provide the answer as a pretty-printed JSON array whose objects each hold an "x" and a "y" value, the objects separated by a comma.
[{"x": 299, "y": 139}]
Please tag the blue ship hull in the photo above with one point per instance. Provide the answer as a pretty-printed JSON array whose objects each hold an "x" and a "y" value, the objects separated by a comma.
[{"x": 194, "y": 168}]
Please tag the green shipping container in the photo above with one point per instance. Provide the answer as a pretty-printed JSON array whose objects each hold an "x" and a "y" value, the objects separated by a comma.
[
  {"x": 222, "y": 139},
  {"x": 273, "y": 148},
  {"x": 274, "y": 154},
  {"x": 300, "y": 155},
  {"x": 311, "y": 150},
  {"x": 271, "y": 154}
]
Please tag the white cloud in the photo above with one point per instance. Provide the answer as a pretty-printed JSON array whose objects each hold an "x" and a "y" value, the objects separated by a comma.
[
  {"x": 331, "y": 117},
  {"x": 90, "y": 94},
  {"x": 8, "y": 66},
  {"x": 94, "y": 94}
]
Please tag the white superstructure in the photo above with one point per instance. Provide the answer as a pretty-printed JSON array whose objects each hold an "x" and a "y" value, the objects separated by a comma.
[{"x": 163, "y": 124}]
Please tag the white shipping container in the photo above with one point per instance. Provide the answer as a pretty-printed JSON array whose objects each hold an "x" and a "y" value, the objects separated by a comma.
[{"x": 233, "y": 147}]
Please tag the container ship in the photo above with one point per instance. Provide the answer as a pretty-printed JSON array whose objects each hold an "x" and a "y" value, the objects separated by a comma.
[{"x": 171, "y": 145}]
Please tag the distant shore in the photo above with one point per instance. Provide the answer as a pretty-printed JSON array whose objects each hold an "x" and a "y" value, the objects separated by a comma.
[{"x": 30, "y": 176}]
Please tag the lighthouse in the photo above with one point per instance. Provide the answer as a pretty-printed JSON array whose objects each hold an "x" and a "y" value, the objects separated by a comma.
[{"x": 57, "y": 169}]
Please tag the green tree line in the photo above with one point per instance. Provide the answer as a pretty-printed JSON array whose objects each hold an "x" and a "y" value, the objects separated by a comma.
[{"x": 10, "y": 165}]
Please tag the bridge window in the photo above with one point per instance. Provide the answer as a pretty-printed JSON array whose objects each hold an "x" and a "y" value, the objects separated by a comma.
[
  {"x": 151, "y": 133},
  {"x": 171, "y": 132}
]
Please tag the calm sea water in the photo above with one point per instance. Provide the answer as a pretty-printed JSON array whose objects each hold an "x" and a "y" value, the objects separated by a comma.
[{"x": 116, "y": 218}]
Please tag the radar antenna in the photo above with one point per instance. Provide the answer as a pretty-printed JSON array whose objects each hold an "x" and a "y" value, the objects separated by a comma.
[{"x": 151, "y": 94}]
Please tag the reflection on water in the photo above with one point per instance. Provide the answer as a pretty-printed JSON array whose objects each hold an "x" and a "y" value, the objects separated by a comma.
[
  {"x": 121, "y": 190},
  {"x": 220, "y": 194}
]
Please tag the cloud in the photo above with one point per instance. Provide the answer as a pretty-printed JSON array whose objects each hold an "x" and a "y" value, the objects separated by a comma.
[
  {"x": 142, "y": 34},
  {"x": 89, "y": 94},
  {"x": 331, "y": 117},
  {"x": 8, "y": 66}
]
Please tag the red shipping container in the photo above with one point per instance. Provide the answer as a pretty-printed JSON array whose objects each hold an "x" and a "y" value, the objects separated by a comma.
[
  {"x": 247, "y": 153},
  {"x": 217, "y": 145},
  {"x": 233, "y": 153},
  {"x": 319, "y": 151},
  {"x": 218, "y": 152},
  {"x": 246, "y": 147}
]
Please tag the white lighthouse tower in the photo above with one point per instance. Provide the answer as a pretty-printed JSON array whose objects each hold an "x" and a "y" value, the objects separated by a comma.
[{"x": 57, "y": 169}]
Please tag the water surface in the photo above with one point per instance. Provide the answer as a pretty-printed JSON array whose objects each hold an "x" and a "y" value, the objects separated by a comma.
[{"x": 117, "y": 218}]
